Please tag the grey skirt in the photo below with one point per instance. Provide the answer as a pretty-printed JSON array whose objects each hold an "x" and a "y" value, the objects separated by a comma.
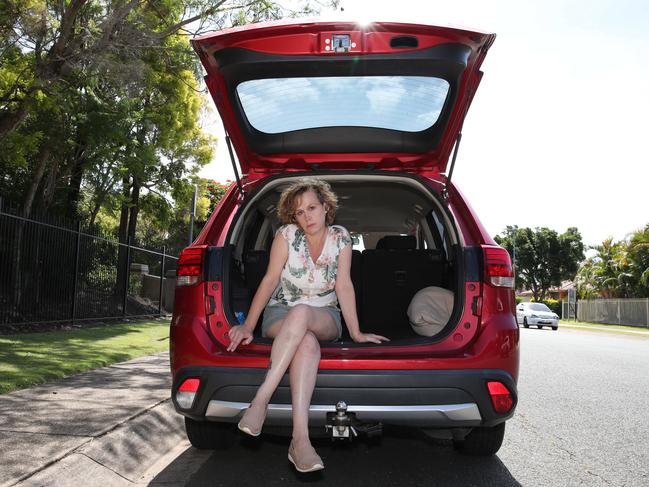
[{"x": 275, "y": 312}]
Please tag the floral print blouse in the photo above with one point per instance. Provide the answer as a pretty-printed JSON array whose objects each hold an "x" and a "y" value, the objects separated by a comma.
[{"x": 306, "y": 282}]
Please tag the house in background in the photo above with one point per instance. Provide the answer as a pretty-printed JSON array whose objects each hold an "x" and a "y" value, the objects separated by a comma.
[{"x": 557, "y": 293}]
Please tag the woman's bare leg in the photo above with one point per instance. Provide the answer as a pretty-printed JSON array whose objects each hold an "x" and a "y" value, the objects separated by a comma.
[
  {"x": 288, "y": 336},
  {"x": 303, "y": 373}
]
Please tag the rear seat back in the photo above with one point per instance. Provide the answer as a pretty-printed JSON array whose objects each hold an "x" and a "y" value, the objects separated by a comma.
[
  {"x": 255, "y": 264},
  {"x": 397, "y": 242},
  {"x": 391, "y": 276},
  {"x": 357, "y": 280}
]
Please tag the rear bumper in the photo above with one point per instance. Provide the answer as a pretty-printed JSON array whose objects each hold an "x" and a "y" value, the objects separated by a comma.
[
  {"x": 420, "y": 398},
  {"x": 543, "y": 321},
  {"x": 442, "y": 415}
]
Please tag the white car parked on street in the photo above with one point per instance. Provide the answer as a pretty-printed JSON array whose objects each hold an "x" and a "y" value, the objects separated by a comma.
[{"x": 537, "y": 314}]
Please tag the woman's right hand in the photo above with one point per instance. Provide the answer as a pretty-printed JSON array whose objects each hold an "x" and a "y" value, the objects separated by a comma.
[
  {"x": 239, "y": 334},
  {"x": 369, "y": 338}
]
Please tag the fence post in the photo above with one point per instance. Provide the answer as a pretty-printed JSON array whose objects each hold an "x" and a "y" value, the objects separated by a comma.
[
  {"x": 127, "y": 274},
  {"x": 75, "y": 277},
  {"x": 162, "y": 278},
  {"x": 647, "y": 305},
  {"x": 619, "y": 313}
]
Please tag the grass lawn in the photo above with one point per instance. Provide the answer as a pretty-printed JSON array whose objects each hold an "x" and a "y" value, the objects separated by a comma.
[
  {"x": 604, "y": 325},
  {"x": 34, "y": 358}
]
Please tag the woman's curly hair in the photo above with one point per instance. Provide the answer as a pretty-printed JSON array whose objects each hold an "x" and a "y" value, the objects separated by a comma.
[{"x": 288, "y": 199}]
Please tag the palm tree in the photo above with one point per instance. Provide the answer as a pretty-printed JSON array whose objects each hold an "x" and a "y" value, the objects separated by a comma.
[
  {"x": 586, "y": 280},
  {"x": 618, "y": 270},
  {"x": 638, "y": 257},
  {"x": 606, "y": 268}
]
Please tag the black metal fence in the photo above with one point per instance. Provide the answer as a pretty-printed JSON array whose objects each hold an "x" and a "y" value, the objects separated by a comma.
[{"x": 53, "y": 270}]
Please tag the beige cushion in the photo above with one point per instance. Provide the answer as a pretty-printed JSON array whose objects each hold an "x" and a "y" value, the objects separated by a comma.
[{"x": 430, "y": 310}]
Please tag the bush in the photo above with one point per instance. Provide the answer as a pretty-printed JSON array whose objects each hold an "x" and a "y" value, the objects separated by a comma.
[
  {"x": 553, "y": 304},
  {"x": 519, "y": 299},
  {"x": 135, "y": 284},
  {"x": 102, "y": 278}
]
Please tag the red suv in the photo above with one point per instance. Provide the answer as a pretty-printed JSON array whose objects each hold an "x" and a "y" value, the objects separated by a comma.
[{"x": 375, "y": 110}]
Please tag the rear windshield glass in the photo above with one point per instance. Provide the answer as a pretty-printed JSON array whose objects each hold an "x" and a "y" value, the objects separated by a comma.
[
  {"x": 539, "y": 307},
  {"x": 406, "y": 103}
]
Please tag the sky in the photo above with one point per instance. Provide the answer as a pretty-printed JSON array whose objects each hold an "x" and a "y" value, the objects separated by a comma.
[{"x": 558, "y": 133}]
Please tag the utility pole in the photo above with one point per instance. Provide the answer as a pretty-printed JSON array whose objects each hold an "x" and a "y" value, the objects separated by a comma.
[
  {"x": 191, "y": 217},
  {"x": 514, "y": 255}
]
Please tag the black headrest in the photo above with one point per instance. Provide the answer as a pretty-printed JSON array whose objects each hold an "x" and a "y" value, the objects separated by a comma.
[{"x": 397, "y": 242}]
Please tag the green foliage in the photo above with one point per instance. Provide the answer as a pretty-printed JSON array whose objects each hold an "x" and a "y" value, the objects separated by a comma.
[
  {"x": 102, "y": 277},
  {"x": 215, "y": 192},
  {"x": 111, "y": 107},
  {"x": 134, "y": 284},
  {"x": 554, "y": 305},
  {"x": 638, "y": 261},
  {"x": 586, "y": 280},
  {"x": 542, "y": 257},
  {"x": 618, "y": 269}
]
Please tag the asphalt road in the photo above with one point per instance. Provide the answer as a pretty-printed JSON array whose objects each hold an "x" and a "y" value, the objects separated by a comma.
[{"x": 581, "y": 420}]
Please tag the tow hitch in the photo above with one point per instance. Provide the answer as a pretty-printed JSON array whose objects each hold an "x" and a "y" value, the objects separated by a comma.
[{"x": 345, "y": 426}]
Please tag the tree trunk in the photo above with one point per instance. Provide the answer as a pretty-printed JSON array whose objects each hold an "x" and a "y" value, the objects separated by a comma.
[
  {"x": 122, "y": 272},
  {"x": 74, "y": 189},
  {"x": 11, "y": 121},
  {"x": 100, "y": 197},
  {"x": 101, "y": 191},
  {"x": 95, "y": 210},
  {"x": 16, "y": 267},
  {"x": 50, "y": 184},
  {"x": 39, "y": 170},
  {"x": 135, "y": 209}
]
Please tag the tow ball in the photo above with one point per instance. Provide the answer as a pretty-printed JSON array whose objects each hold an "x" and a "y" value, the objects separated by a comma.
[
  {"x": 345, "y": 426},
  {"x": 340, "y": 423}
]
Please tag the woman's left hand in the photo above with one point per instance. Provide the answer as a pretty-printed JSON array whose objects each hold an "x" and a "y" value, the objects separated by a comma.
[{"x": 369, "y": 338}]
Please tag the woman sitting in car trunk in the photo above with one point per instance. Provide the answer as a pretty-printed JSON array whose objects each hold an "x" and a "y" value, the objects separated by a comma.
[{"x": 308, "y": 275}]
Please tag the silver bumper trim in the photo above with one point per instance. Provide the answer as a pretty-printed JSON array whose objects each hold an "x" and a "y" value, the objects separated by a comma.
[{"x": 442, "y": 415}]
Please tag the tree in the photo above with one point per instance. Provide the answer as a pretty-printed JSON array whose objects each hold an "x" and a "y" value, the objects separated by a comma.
[
  {"x": 618, "y": 269},
  {"x": 586, "y": 280},
  {"x": 73, "y": 56},
  {"x": 638, "y": 254},
  {"x": 571, "y": 252},
  {"x": 215, "y": 192},
  {"x": 543, "y": 258},
  {"x": 610, "y": 272},
  {"x": 103, "y": 96}
]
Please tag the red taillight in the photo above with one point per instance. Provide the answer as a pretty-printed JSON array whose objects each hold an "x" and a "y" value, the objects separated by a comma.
[
  {"x": 190, "y": 266},
  {"x": 187, "y": 392},
  {"x": 190, "y": 385},
  {"x": 498, "y": 267},
  {"x": 501, "y": 398}
]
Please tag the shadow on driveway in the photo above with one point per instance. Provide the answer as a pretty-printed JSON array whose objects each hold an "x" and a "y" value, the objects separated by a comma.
[{"x": 397, "y": 460}]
